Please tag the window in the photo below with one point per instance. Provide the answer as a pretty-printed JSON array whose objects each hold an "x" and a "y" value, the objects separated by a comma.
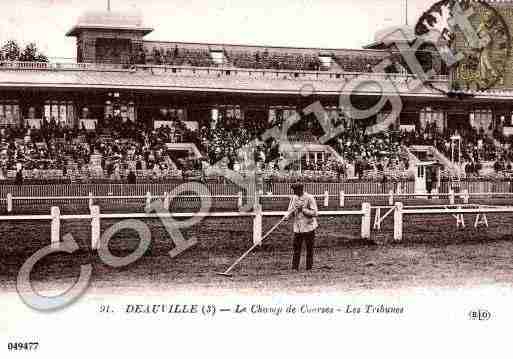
[
  {"x": 280, "y": 114},
  {"x": 217, "y": 57},
  {"x": 429, "y": 116},
  {"x": 60, "y": 111},
  {"x": 326, "y": 60},
  {"x": 124, "y": 109},
  {"x": 481, "y": 119},
  {"x": 229, "y": 112},
  {"x": 172, "y": 114},
  {"x": 9, "y": 113}
]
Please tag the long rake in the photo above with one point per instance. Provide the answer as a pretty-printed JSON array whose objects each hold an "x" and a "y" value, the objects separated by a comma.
[{"x": 226, "y": 273}]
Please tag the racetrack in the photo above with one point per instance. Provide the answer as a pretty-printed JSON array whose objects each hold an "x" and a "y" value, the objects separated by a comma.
[{"x": 434, "y": 253}]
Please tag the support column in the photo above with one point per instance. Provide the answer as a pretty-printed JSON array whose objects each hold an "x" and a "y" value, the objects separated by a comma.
[
  {"x": 95, "y": 227},
  {"x": 342, "y": 199},
  {"x": 366, "y": 220},
  {"x": 398, "y": 222},
  {"x": 9, "y": 202},
  {"x": 55, "y": 227},
  {"x": 257, "y": 225}
]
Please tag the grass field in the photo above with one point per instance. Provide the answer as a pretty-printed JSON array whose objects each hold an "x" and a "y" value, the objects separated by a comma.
[{"x": 433, "y": 253}]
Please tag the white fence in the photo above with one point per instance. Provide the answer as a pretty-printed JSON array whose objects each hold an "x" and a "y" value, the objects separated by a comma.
[
  {"x": 398, "y": 211},
  {"x": 326, "y": 197},
  {"x": 458, "y": 212},
  {"x": 95, "y": 216}
]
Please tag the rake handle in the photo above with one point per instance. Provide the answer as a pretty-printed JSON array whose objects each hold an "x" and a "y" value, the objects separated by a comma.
[{"x": 256, "y": 245}]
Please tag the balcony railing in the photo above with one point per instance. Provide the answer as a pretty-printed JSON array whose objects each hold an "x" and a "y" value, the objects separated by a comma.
[
  {"x": 20, "y": 65},
  {"x": 223, "y": 71}
]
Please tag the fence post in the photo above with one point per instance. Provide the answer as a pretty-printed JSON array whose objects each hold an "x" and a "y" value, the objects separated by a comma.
[
  {"x": 466, "y": 196},
  {"x": 460, "y": 219},
  {"x": 342, "y": 199},
  {"x": 55, "y": 227},
  {"x": 377, "y": 219},
  {"x": 91, "y": 200},
  {"x": 95, "y": 227},
  {"x": 391, "y": 198},
  {"x": 257, "y": 225},
  {"x": 148, "y": 199},
  {"x": 434, "y": 192},
  {"x": 398, "y": 222},
  {"x": 256, "y": 200},
  {"x": 366, "y": 220},
  {"x": 9, "y": 202},
  {"x": 166, "y": 200},
  {"x": 326, "y": 199},
  {"x": 451, "y": 196},
  {"x": 239, "y": 200}
]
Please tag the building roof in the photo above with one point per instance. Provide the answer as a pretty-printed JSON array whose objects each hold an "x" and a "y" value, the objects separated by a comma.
[
  {"x": 109, "y": 20},
  {"x": 205, "y": 80}
]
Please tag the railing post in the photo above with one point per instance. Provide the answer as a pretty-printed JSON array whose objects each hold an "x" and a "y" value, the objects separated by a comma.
[
  {"x": 391, "y": 198},
  {"x": 326, "y": 199},
  {"x": 342, "y": 199},
  {"x": 451, "y": 196},
  {"x": 239, "y": 200},
  {"x": 466, "y": 196},
  {"x": 377, "y": 219},
  {"x": 398, "y": 222},
  {"x": 55, "y": 227},
  {"x": 366, "y": 220},
  {"x": 460, "y": 219},
  {"x": 257, "y": 225},
  {"x": 91, "y": 200},
  {"x": 148, "y": 199},
  {"x": 166, "y": 200},
  {"x": 434, "y": 192},
  {"x": 256, "y": 200},
  {"x": 9, "y": 202},
  {"x": 95, "y": 227}
]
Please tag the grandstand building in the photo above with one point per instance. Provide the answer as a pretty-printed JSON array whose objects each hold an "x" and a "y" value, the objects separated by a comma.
[{"x": 121, "y": 77}]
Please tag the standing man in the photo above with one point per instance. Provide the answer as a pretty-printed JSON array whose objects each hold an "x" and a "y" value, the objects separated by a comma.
[{"x": 303, "y": 209}]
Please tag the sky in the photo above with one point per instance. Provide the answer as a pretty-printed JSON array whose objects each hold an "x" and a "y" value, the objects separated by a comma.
[{"x": 302, "y": 23}]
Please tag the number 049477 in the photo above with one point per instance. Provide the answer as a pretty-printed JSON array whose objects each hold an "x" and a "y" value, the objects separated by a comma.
[{"x": 23, "y": 346}]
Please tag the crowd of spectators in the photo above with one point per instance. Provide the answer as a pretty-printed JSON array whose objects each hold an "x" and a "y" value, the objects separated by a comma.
[
  {"x": 357, "y": 63},
  {"x": 274, "y": 60},
  {"x": 265, "y": 59},
  {"x": 172, "y": 56},
  {"x": 117, "y": 147},
  {"x": 477, "y": 146},
  {"x": 120, "y": 147},
  {"x": 378, "y": 152}
]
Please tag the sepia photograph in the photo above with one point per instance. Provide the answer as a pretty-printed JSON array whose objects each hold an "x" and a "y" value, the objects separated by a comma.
[{"x": 282, "y": 178}]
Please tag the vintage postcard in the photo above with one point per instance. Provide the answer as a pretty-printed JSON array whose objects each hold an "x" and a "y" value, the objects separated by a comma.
[{"x": 283, "y": 178}]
